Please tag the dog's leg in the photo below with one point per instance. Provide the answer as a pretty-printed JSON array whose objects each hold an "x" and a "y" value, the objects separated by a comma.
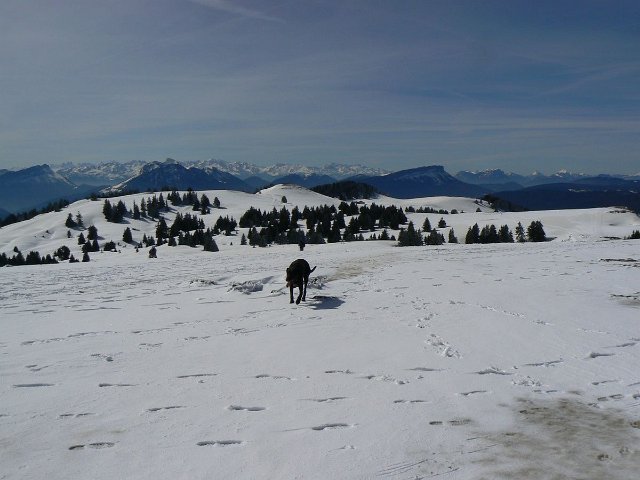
[
  {"x": 304, "y": 295},
  {"x": 299, "y": 295},
  {"x": 291, "y": 292}
]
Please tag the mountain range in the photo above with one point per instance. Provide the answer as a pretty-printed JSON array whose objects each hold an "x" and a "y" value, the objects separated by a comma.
[{"x": 36, "y": 186}]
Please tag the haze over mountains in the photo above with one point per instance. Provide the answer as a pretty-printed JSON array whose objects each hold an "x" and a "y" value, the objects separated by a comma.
[{"x": 36, "y": 186}]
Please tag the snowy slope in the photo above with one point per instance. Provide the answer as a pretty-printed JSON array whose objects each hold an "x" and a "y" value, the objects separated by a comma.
[{"x": 458, "y": 361}]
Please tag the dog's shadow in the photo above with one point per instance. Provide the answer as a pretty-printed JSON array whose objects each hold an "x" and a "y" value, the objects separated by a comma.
[{"x": 324, "y": 302}]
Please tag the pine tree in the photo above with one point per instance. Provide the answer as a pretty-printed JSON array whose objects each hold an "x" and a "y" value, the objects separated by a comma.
[
  {"x": 92, "y": 233},
  {"x": 79, "y": 221},
  {"x": 216, "y": 202},
  {"x": 426, "y": 226},
  {"x": 535, "y": 232},
  {"x": 520, "y": 233},
  {"x": 70, "y": 222},
  {"x": 473, "y": 235},
  {"x": 243, "y": 240},
  {"x": 81, "y": 239},
  {"x": 409, "y": 237},
  {"x": 442, "y": 223},
  {"x": 85, "y": 257},
  {"x": 452, "y": 237},
  {"x": 127, "y": 237},
  {"x": 505, "y": 234}
]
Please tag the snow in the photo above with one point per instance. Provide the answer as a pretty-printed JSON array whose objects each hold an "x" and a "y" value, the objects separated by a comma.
[{"x": 458, "y": 361}]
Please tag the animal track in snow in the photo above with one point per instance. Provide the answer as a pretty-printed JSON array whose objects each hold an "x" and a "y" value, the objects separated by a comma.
[
  {"x": 492, "y": 371},
  {"x": 346, "y": 372},
  {"x": 456, "y": 422},
  {"x": 151, "y": 330},
  {"x": 171, "y": 407},
  {"x": 31, "y": 385},
  {"x": 550, "y": 363},
  {"x": 75, "y": 415},
  {"x": 248, "y": 409},
  {"x": 102, "y": 385},
  {"x": 331, "y": 426},
  {"x": 105, "y": 357},
  {"x": 97, "y": 445},
  {"x": 443, "y": 348},
  {"x": 385, "y": 378},
  {"x": 472, "y": 392},
  {"x": 219, "y": 443},
  {"x": 411, "y": 401},
  {"x": 275, "y": 377},
  {"x": 36, "y": 368},
  {"x": 197, "y": 375},
  {"x": 596, "y": 355},
  {"x": 325, "y": 400}
]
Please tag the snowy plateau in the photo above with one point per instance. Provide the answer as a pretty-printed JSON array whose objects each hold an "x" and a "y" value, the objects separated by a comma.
[{"x": 518, "y": 361}]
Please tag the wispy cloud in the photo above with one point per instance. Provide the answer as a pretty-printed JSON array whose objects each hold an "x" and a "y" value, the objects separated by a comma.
[{"x": 233, "y": 7}]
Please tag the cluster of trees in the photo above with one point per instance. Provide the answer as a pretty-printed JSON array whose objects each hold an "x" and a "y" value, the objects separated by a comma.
[
  {"x": 113, "y": 214},
  {"x": 430, "y": 210},
  {"x": 18, "y": 260},
  {"x": 412, "y": 237},
  {"x": 634, "y": 236},
  {"x": 489, "y": 234},
  {"x": 202, "y": 204},
  {"x": 323, "y": 223}
]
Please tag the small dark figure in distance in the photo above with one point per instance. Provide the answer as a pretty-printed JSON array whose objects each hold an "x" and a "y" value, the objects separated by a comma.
[{"x": 298, "y": 276}]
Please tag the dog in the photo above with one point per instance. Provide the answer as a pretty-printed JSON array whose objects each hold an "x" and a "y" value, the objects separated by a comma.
[{"x": 298, "y": 276}]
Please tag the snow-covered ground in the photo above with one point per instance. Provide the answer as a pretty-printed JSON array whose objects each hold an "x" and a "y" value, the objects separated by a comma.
[{"x": 457, "y": 362}]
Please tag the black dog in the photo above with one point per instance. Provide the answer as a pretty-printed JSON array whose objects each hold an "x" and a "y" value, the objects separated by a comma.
[{"x": 298, "y": 276}]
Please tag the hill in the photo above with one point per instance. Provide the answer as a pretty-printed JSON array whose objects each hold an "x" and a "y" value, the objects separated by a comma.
[
  {"x": 417, "y": 362},
  {"x": 422, "y": 182}
]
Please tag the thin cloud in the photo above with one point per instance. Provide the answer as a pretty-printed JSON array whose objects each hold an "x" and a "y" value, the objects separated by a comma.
[{"x": 234, "y": 8}]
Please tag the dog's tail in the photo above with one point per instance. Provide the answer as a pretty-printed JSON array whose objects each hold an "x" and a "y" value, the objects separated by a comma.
[{"x": 311, "y": 271}]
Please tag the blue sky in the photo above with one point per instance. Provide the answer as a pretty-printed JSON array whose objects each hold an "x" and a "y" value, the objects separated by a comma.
[{"x": 517, "y": 85}]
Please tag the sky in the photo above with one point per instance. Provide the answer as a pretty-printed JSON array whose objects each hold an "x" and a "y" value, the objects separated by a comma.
[{"x": 470, "y": 85}]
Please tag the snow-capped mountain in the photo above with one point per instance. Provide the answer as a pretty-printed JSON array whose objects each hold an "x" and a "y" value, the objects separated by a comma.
[
  {"x": 494, "y": 176},
  {"x": 100, "y": 174},
  {"x": 422, "y": 182},
  {"x": 245, "y": 170},
  {"x": 171, "y": 174},
  {"x": 34, "y": 187}
]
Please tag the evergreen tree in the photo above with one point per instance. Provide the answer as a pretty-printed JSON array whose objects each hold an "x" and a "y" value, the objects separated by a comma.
[
  {"x": 505, "y": 235},
  {"x": 70, "y": 223},
  {"x": 63, "y": 253},
  {"x": 535, "y": 232},
  {"x": 473, "y": 235},
  {"x": 442, "y": 223},
  {"x": 162, "y": 230},
  {"x": 216, "y": 202},
  {"x": 85, "y": 257},
  {"x": 520, "y": 233},
  {"x": 452, "y": 237},
  {"x": 426, "y": 226},
  {"x": 136, "y": 211},
  {"x": 384, "y": 235},
  {"x": 434, "y": 238},
  {"x": 635, "y": 235},
  {"x": 127, "y": 237},
  {"x": 243, "y": 240},
  {"x": 92, "y": 233},
  {"x": 81, "y": 239},
  {"x": 409, "y": 237},
  {"x": 79, "y": 221}
]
